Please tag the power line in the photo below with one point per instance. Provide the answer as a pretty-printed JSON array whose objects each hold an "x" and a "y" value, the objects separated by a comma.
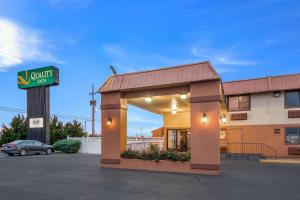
[{"x": 16, "y": 110}]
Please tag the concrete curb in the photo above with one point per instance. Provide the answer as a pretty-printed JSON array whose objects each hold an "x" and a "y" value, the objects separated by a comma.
[{"x": 281, "y": 161}]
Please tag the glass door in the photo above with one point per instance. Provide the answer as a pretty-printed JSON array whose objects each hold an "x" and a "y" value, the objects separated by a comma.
[{"x": 178, "y": 139}]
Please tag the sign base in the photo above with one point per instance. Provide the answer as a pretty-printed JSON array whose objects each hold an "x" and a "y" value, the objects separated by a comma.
[{"x": 38, "y": 114}]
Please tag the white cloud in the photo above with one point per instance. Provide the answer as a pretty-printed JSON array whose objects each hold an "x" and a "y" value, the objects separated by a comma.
[
  {"x": 220, "y": 57},
  {"x": 19, "y": 44},
  {"x": 127, "y": 61},
  {"x": 142, "y": 119}
]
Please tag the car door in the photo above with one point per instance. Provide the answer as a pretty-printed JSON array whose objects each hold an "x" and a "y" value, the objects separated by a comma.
[
  {"x": 39, "y": 146},
  {"x": 29, "y": 146}
]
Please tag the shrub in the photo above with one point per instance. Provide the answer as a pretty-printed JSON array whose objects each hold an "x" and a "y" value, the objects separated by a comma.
[
  {"x": 56, "y": 130},
  {"x": 154, "y": 153},
  {"x": 175, "y": 156},
  {"x": 131, "y": 154},
  {"x": 67, "y": 146}
]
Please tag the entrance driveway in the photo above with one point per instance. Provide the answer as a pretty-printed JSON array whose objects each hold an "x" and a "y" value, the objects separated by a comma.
[{"x": 60, "y": 177}]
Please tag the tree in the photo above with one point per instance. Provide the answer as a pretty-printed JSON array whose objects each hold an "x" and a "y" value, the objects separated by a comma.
[
  {"x": 74, "y": 129},
  {"x": 18, "y": 127},
  {"x": 16, "y": 131},
  {"x": 56, "y": 130}
]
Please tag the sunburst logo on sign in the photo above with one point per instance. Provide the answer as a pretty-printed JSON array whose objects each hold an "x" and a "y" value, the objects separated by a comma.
[{"x": 24, "y": 80}]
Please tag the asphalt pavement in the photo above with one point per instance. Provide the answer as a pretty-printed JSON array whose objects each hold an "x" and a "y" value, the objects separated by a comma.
[{"x": 79, "y": 177}]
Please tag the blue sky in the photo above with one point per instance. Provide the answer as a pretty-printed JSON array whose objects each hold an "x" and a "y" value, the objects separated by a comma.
[{"x": 242, "y": 39}]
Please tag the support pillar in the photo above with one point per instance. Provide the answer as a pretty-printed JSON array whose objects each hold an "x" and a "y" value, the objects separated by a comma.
[
  {"x": 205, "y": 139},
  {"x": 114, "y": 136}
]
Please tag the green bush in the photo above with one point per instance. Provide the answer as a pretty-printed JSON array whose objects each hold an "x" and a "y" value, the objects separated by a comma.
[
  {"x": 153, "y": 153},
  {"x": 67, "y": 146},
  {"x": 131, "y": 154}
]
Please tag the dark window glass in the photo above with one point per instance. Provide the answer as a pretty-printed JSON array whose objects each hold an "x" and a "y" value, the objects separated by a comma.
[
  {"x": 178, "y": 139},
  {"x": 233, "y": 104},
  {"x": 171, "y": 139},
  {"x": 292, "y": 135},
  {"x": 244, "y": 102},
  {"x": 239, "y": 103},
  {"x": 292, "y": 99},
  {"x": 28, "y": 143},
  {"x": 38, "y": 143},
  {"x": 182, "y": 140}
]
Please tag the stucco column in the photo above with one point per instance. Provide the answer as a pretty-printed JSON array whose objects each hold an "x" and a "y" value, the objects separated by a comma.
[
  {"x": 114, "y": 136},
  {"x": 205, "y": 141}
]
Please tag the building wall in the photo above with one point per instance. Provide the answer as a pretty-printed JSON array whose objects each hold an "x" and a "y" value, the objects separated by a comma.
[
  {"x": 261, "y": 134},
  {"x": 265, "y": 110},
  {"x": 267, "y": 113},
  {"x": 178, "y": 120},
  {"x": 158, "y": 132}
]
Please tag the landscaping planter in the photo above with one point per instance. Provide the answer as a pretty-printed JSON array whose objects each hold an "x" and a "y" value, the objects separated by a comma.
[{"x": 162, "y": 166}]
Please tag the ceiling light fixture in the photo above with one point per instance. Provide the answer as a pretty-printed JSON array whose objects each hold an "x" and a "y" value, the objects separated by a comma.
[
  {"x": 183, "y": 96},
  {"x": 148, "y": 99}
]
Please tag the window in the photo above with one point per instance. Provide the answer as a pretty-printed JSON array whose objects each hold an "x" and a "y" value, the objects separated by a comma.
[
  {"x": 178, "y": 139},
  {"x": 38, "y": 143},
  {"x": 239, "y": 103},
  {"x": 171, "y": 139},
  {"x": 276, "y": 131},
  {"x": 292, "y": 135},
  {"x": 222, "y": 134},
  {"x": 28, "y": 143},
  {"x": 292, "y": 99}
]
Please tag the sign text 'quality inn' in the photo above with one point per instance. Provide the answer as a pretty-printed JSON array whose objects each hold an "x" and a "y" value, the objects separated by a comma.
[{"x": 45, "y": 76}]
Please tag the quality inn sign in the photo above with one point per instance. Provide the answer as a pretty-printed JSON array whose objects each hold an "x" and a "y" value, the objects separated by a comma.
[{"x": 45, "y": 76}]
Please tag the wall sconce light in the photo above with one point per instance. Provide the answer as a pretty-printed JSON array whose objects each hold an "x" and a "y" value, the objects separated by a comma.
[
  {"x": 173, "y": 111},
  {"x": 183, "y": 96},
  {"x": 204, "y": 118},
  {"x": 148, "y": 99},
  {"x": 223, "y": 119},
  {"x": 109, "y": 121}
]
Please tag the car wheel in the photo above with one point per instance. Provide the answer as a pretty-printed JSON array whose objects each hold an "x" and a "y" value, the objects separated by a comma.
[
  {"x": 48, "y": 151},
  {"x": 23, "y": 152}
]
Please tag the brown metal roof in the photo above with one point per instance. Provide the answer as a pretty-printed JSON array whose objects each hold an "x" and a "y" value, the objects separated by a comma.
[
  {"x": 270, "y": 83},
  {"x": 176, "y": 75}
]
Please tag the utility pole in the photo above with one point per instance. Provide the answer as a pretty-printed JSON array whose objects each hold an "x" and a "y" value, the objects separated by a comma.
[{"x": 93, "y": 104}]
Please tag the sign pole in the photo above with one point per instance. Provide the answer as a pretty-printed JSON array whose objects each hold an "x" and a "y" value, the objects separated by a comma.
[{"x": 93, "y": 104}]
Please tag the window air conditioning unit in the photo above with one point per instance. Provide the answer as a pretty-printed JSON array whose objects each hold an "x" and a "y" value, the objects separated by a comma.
[{"x": 276, "y": 94}]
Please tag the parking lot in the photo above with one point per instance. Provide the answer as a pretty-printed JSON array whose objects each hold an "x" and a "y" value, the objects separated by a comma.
[{"x": 78, "y": 176}]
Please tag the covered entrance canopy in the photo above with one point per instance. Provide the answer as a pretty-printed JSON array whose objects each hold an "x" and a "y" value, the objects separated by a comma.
[{"x": 183, "y": 94}]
